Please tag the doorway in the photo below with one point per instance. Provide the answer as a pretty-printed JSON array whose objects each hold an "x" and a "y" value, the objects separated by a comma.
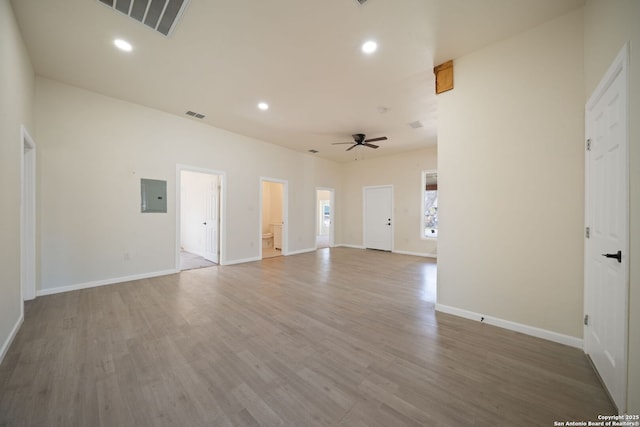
[
  {"x": 324, "y": 217},
  {"x": 273, "y": 221},
  {"x": 28, "y": 217},
  {"x": 199, "y": 218},
  {"x": 377, "y": 213},
  {"x": 607, "y": 233}
]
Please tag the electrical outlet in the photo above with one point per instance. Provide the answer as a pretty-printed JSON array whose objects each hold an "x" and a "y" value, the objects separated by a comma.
[{"x": 127, "y": 256}]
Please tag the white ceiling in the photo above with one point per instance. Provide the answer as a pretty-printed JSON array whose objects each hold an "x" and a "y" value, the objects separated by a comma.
[{"x": 302, "y": 57}]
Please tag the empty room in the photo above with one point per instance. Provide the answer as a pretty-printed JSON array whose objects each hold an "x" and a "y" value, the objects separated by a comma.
[{"x": 330, "y": 213}]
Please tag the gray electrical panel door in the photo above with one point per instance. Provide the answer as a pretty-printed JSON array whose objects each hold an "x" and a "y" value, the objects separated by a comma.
[{"x": 153, "y": 195}]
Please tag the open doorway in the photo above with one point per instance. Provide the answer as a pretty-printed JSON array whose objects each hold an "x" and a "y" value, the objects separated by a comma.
[
  {"x": 273, "y": 197},
  {"x": 324, "y": 217},
  {"x": 199, "y": 218}
]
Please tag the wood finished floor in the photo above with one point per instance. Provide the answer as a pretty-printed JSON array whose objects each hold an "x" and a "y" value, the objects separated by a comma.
[{"x": 339, "y": 337}]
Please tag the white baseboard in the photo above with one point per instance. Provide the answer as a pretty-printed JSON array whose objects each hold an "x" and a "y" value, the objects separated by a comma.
[
  {"x": 301, "y": 251},
  {"x": 7, "y": 343},
  {"x": 240, "y": 261},
  {"x": 104, "y": 282},
  {"x": 422, "y": 254},
  {"x": 513, "y": 326}
]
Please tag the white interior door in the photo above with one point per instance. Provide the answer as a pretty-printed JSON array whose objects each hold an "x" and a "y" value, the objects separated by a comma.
[
  {"x": 211, "y": 203},
  {"x": 378, "y": 228},
  {"x": 199, "y": 210},
  {"x": 606, "y": 243}
]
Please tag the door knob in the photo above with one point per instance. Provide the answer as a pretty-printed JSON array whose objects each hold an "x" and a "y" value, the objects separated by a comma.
[
  {"x": 204, "y": 223},
  {"x": 617, "y": 255}
]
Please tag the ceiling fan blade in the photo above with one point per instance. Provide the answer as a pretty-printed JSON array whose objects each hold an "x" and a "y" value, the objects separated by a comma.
[
  {"x": 352, "y": 147},
  {"x": 382, "y": 138},
  {"x": 339, "y": 143},
  {"x": 370, "y": 145}
]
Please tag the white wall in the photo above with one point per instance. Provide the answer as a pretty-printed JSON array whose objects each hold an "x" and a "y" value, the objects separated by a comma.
[
  {"x": 93, "y": 150},
  {"x": 511, "y": 180},
  {"x": 16, "y": 103},
  {"x": 608, "y": 25},
  {"x": 404, "y": 172}
]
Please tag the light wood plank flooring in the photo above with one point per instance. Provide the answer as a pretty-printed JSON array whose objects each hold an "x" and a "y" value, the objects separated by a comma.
[{"x": 338, "y": 337}]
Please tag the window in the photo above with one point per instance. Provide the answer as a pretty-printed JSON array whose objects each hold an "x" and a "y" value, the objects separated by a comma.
[{"x": 430, "y": 204}]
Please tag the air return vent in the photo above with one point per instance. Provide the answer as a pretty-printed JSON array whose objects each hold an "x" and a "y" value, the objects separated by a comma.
[
  {"x": 160, "y": 15},
  {"x": 194, "y": 114}
]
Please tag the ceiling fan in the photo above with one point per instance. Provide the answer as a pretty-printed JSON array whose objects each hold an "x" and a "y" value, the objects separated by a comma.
[{"x": 359, "y": 139}]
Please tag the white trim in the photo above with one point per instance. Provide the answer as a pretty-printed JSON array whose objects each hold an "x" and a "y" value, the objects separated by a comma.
[
  {"x": 422, "y": 254},
  {"x": 285, "y": 214},
  {"x": 241, "y": 260},
  {"x": 27, "y": 216},
  {"x": 222, "y": 217},
  {"x": 364, "y": 213},
  {"x": 7, "y": 343},
  {"x": 301, "y": 251},
  {"x": 104, "y": 282},
  {"x": 512, "y": 326}
]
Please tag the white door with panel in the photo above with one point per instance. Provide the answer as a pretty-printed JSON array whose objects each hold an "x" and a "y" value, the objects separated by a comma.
[
  {"x": 606, "y": 242},
  {"x": 378, "y": 225},
  {"x": 199, "y": 214}
]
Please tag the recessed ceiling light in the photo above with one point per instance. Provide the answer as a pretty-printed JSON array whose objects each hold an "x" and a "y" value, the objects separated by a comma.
[
  {"x": 369, "y": 46},
  {"x": 123, "y": 45},
  {"x": 263, "y": 106}
]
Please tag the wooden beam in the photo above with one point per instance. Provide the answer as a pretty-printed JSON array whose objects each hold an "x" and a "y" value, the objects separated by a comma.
[{"x": 444, "y": 77}]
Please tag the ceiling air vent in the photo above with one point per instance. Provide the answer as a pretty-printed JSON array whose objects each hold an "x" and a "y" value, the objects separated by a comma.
[
  {"x": 362, "y": 1},
  {"x": 160, "y": 15},
  {"x": 194, "y": 114},
  {"x": 313, "y": 151}
]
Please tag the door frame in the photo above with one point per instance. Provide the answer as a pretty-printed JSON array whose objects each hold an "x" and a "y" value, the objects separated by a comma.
[
  {"x": 364, "y": 213},
  {"x": 285, "y": 214},
  {"x": 620, "y": 65},
  {"x": 222, "y": 203},
  {"x": 27, "y": 216},
  {"x": 332, "y": 214}
]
